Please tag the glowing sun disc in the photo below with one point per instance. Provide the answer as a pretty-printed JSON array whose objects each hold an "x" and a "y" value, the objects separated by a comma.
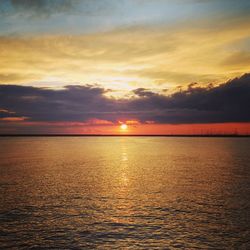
[{"x": 124, "y": 126}]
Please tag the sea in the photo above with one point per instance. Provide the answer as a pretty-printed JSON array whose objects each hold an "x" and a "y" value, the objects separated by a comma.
[{"x": 126, "y": 192}]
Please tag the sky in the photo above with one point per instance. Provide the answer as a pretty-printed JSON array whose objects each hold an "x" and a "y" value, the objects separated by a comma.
[{"x": 159, "y": 66}]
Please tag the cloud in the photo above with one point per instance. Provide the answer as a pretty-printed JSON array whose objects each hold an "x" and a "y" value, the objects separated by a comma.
[
  {"x": 37, "y": 8},
  {"x": 228, "y": 102},
  {"x": 238, "y": 60},
  {"x": 16, "y": 78},
  {"x": 126, "y": 57},
  {"x": 69, "y": 104},
  {"x": 13, "y": 119},
  {"x": 5, "y": 111},
  {"x": 45, "y": 8}
]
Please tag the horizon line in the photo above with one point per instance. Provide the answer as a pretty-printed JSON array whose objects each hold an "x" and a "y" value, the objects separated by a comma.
[{"x": 125, "y": 135}]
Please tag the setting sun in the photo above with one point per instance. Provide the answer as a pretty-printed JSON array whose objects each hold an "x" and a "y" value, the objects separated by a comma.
[{"x": 124, "y": 126}]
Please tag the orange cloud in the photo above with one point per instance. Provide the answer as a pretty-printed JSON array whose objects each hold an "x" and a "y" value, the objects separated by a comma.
[
  {"x": 98, "y": 122},
  {"x": 13, "y": 119},
  {"x": 150, "y": 122},
  {"x": 132, "y": 122},
  {"x": 6, "y": 111}
]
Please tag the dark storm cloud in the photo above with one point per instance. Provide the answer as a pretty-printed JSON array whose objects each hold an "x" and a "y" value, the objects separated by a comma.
[
  {"x": 228, "y": 102},
  {"x": 69, "y": 104}
]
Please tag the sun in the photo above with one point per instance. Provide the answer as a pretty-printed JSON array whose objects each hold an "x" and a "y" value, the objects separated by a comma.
[{"x": 124, "y": 126}]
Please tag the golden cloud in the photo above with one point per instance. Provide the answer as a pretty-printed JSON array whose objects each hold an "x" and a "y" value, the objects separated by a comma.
[{"x": 125, "y": 58}]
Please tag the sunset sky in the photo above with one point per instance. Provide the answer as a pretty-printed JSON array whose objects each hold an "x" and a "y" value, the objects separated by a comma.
[{"x": 159, "y": 66}]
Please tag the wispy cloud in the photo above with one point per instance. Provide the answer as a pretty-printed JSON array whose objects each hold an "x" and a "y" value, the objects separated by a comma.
[{"x": 127, "y": 58}]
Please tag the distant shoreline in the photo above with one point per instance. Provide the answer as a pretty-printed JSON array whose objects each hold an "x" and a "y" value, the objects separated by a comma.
[{"x": 122, "y": 135}]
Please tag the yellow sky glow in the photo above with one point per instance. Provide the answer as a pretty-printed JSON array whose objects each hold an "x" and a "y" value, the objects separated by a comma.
[{"x": 157, "y": 59}]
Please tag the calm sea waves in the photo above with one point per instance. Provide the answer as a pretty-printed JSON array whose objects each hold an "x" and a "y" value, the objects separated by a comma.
[{"x": 124, "y": 193}]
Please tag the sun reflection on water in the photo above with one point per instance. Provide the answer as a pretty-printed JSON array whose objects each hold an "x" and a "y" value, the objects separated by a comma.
[{"x": 122, "y": 191}]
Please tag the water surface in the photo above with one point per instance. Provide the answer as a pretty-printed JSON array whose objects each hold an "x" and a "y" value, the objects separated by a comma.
[{"x": 125, "y": 193}]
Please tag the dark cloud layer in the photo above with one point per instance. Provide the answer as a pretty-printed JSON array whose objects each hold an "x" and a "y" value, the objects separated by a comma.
[{"x": 229, "y": 102}]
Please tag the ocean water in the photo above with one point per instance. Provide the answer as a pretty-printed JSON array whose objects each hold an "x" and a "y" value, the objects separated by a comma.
[{"x": 124, "y": 193}]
